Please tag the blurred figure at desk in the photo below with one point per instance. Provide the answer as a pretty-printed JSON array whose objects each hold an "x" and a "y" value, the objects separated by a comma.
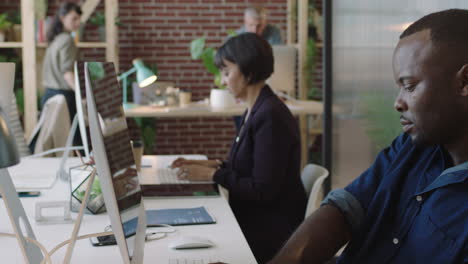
[
  {"x": 255, "y": 21},
  {"x": 262, "y": 173}
]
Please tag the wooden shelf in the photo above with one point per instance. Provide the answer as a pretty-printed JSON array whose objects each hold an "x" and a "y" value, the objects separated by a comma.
[
  {"x": 30, "y": 47},
  {"x": 81, "y": 45},
  {"x": 10, "y": 44},
  {"x": 91, "y": 45}
]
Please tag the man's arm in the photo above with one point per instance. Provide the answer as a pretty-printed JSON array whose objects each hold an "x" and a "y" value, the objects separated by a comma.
[{"x": 317, "y": 239}]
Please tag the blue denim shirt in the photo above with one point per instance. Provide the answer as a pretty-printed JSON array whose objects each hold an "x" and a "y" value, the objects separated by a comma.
[{"x": 410, "y": 206}]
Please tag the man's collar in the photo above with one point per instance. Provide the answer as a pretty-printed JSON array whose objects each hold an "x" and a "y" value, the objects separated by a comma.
[{"x": 453, "y": 175}]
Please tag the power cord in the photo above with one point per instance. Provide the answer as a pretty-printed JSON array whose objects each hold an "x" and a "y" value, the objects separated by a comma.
[
  {"x": 153, "y": 235},
  {"x": 35, "y": 242},
  {"x": 47, "y": 255}
]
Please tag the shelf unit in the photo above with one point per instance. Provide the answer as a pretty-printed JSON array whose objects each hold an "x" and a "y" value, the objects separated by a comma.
[
  {"x": 298, "y": 26},
  {"x": 29, "y": 53},
  {"x": 80, "y": 45},
  {"x": 11, "y": 44}
]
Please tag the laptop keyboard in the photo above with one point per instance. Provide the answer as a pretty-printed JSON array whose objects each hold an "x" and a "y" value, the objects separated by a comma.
[
  {"x": 169, "y": 176},
  {"x": 205, "y": 260}
]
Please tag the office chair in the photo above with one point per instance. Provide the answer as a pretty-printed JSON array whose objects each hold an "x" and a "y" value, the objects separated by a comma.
[{"x": 312, "y": 177}]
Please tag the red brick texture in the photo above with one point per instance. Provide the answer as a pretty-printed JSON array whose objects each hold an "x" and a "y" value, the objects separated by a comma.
[{"x": 160, "y": 31}]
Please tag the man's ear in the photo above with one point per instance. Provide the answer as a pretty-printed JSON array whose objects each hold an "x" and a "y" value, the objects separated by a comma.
[{"x": 462, "y": 76}]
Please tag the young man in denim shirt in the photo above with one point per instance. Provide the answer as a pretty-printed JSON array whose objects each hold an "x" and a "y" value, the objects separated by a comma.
[{"x": 411, "y": 205}]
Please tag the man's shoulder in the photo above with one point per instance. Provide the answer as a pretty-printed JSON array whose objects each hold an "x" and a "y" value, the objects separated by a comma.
[{"x": 240, "y": 30}]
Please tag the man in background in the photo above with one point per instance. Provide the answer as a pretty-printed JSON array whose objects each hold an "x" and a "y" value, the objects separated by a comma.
[{"x": 255, "y": 21}]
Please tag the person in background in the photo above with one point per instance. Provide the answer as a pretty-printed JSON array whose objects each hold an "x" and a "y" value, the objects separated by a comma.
[
  {"x": 262, "y": 173},
  {"x": 60, "y": 57},
  {"x": 411, "y": 205},
  {"x": 255, "y": 21},
  {"x": 57, "y": 72}
]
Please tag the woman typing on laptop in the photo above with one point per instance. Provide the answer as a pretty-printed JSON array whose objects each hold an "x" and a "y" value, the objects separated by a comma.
[{"x": 262, "y": 173}]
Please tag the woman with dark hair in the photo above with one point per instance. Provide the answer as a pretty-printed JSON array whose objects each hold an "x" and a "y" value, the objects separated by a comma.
[
  {"x": 59, "y": 60},
  {"x": 262, "y": 173}
]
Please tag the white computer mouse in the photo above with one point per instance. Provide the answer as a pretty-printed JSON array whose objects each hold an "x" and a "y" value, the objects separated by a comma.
[{"x": 185, "y": 242}]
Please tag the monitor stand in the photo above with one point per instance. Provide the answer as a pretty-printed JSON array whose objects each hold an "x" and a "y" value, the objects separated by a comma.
[
  {"x": 18, "y": 218},
  {"x": 61, "y": 175},
  {"x": 79, "y": 218}
]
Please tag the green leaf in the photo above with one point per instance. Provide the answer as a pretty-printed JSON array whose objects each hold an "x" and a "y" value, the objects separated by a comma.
[
  {"x": 231, "y": 33},
  {"x": 208, "y": 57},
  {"x": 4, "y": 23},
  {"x": 98, "y": 19},
  {"x": 196, "y": 48},
  {"x": 19, "y": 93},
  {"x": 96, "y": 70},
  {"x": 149, "y": 134},
  {"x": 139, "y": 121},
  {"x": 217, "y": 81}
]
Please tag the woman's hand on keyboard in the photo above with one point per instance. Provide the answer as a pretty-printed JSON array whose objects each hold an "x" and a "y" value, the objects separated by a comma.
[
  {"x": 179, "y": 162},
  {"x": 196, "y": 173}
]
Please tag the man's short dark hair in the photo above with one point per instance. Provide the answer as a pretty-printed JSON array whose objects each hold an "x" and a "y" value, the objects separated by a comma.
[
  {"x": 448, "y": 26},
  {"x": 252, "y": 54}
]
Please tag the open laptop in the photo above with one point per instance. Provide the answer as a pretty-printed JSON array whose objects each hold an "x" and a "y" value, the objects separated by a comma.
[{"x": 160, "y": 181}]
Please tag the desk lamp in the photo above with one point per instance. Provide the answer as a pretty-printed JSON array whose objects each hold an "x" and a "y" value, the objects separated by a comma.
[
  {"x": 9, "y": 157},
  {"x": 145, "y": 77}
]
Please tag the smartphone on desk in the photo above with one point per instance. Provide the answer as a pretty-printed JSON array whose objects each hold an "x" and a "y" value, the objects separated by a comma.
[
  {"x": 130, "y": 230},
  {"x": 103, "y": 240}
]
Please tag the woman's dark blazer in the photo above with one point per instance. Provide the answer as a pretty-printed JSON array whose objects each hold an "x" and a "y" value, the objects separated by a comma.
[{"x": 263, "y": 176}]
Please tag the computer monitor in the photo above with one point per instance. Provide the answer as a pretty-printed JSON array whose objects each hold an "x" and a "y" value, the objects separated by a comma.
[
  {"x": 14, "y": 207},
  {"x": 283, "y": 78},
  {"x": 114, "y": 158},
  {"x": 80, "y": 96}
]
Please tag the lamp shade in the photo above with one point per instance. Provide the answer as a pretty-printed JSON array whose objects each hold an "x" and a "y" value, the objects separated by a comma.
[
  {"x": 145, "y": 76},
  {"x": 8, "y": 150}
]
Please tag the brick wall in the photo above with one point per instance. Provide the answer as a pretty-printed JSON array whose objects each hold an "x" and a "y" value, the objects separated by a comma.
[{"x": 159, "y": 31}]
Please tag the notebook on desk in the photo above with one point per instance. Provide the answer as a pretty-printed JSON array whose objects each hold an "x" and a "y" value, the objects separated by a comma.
[{"x": 173, "y": 217}]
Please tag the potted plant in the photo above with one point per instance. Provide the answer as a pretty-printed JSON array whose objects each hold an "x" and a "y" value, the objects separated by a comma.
[
  {"x": 4, "y": 26},
  {"x": 99, "y": 20},
  {"x": 219, "y": 97}
]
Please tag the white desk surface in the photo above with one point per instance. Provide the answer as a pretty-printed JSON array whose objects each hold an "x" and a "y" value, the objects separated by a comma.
[
  {"x": 204, "y": 110},
  {"x": 230, "y": 244}
]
